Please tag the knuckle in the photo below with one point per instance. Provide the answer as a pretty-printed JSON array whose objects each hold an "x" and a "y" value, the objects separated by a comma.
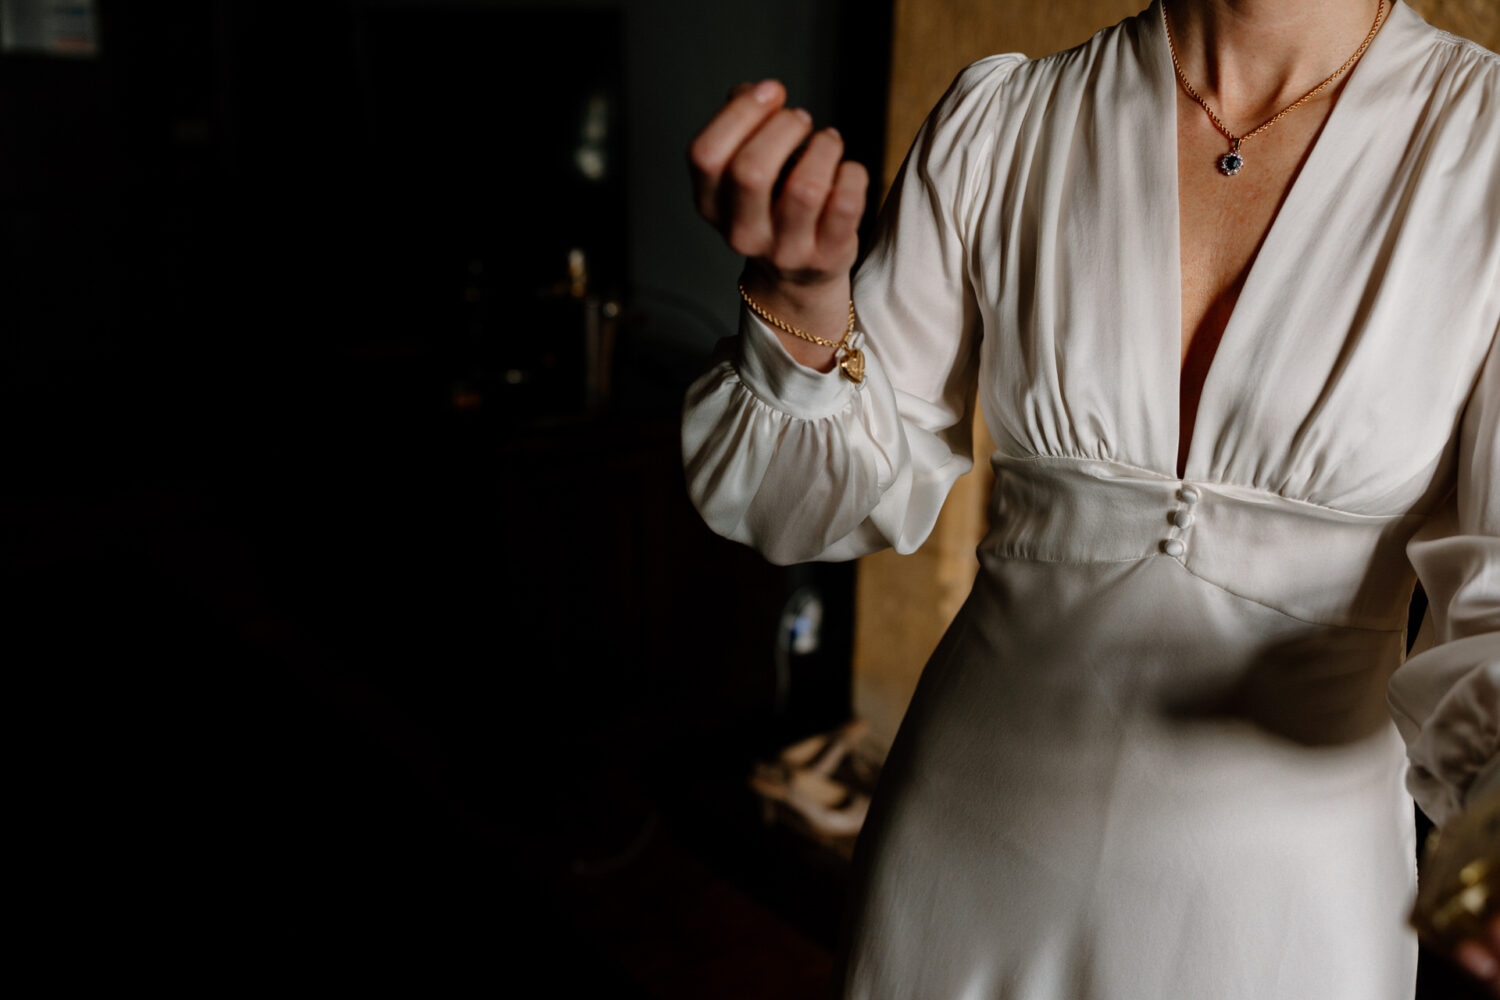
[
  {"x": 702, "y": 155},
  {"x": 798, "y": 123},
  {"x": 804, "y": 193},
  {"x": 830, "y": 140},
  {"x": 848, "y": 204},
  {"x": 788, "y": 257},
  {"x": 745, "y": 241},
  {"x": 836, "y": 257},
  {"x": 855, "y": 175},
  {"x": 750, "y": 175}
]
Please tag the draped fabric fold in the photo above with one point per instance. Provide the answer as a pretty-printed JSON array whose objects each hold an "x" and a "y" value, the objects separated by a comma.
[{"x": 1446, "y": 698}]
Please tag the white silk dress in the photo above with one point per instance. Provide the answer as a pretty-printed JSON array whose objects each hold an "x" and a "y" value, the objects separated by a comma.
[{"x": 1167, "y": 748}]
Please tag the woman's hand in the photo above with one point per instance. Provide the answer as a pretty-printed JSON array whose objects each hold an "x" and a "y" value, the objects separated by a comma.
[
  {"x": 1482, "y": 958},
  {"x": 801, "y": 238},
  {"x": 1457, "y": 909}
]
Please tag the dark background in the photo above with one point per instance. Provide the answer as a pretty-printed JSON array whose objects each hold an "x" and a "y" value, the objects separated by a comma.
[{"x": 349, "y": 638}]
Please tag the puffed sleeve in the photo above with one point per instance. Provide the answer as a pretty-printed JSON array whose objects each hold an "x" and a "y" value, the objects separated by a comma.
[
  {"x": 805, "y": 465},
  {"x": 1446, "y": 698}
]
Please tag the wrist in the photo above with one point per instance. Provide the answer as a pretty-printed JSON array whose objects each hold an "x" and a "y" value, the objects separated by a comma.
[
  {"x": 815, "y": 305},
  {"x": 811, "y": 349}
]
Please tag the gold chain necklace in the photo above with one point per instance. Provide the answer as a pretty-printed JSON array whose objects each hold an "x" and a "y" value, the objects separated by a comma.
[{"x": 1230, "y": 163}]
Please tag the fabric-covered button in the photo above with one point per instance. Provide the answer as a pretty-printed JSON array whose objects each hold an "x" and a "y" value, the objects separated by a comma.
[
  {"x": 1173, "y": 547},
  {"x": 1182, "y": 518},
  {"x": 1187, "y": 495}
]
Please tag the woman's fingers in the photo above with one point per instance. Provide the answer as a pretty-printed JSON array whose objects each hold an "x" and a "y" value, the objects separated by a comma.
[
  {"x": 711, "y": 151},
  {"x": 1478, "y": 961},
  {"x": 1481, "y": 959},
  {"x": 752, "y": 179},
  {"x": 809, "y": 226},
  {"x": 802, "y": 201},
  {"x": 838, "y": 228}
]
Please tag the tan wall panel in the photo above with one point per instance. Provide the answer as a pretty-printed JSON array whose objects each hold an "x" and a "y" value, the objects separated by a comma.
[
  {"x": 934, "y": 39},
  {"x": 904, "y": 603},
  {"x": 1476, "y": 19}
]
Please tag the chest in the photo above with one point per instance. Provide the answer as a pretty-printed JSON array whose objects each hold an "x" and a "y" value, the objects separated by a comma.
[
  {"x": 1336, "y": 278},
  {"x": 1224, "y": 220}
]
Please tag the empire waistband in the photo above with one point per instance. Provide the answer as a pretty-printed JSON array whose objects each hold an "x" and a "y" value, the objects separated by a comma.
[{"x": 1312, "y": 563}]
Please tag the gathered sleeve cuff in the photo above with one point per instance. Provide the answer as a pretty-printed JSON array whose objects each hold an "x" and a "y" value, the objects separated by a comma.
[
  {"x": 1446, "y": 697},
  {"x": 808, "y": 466},
  {"x": 805, "y": 465}
]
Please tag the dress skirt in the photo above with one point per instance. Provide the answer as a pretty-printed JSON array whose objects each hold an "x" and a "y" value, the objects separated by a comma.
[{"x": 1119, "y": 779}]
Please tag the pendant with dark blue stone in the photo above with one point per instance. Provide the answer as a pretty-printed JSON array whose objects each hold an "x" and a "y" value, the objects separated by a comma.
[{"x": 1231, "y": 162}]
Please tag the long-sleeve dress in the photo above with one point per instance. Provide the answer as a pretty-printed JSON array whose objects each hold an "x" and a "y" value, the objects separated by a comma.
[{"x": 1167, "y": 748}]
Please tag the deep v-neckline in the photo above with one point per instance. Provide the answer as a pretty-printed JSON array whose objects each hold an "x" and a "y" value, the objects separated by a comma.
[{"x": 1311, "y": 173}]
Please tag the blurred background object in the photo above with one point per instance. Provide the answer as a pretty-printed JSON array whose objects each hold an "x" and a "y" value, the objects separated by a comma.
[{"x": 49, "y": 27}]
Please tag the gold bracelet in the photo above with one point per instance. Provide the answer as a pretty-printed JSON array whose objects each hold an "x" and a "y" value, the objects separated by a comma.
[{"x": 851, "y": 358}]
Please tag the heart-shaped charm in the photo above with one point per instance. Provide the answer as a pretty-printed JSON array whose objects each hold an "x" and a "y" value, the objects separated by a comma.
[{"x": 853, "y": 365}]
